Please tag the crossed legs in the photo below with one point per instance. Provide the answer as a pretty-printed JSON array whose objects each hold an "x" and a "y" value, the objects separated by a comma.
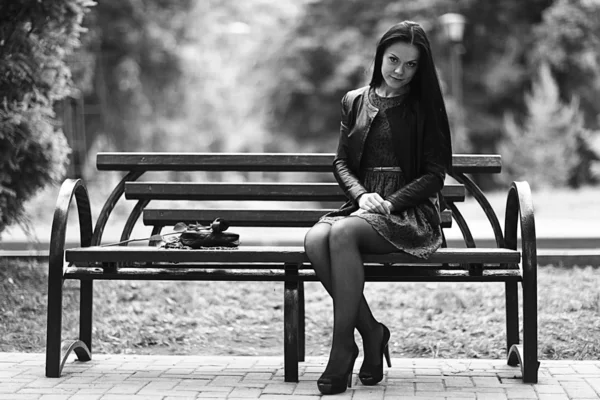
[{"x": 335, "y": 254}]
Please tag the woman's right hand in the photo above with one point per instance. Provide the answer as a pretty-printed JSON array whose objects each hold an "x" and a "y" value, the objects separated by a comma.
[{"x": 373, "y": 202}]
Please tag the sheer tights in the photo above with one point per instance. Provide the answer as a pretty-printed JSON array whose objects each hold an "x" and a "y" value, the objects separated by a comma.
[{"x": 335, "y": 253}]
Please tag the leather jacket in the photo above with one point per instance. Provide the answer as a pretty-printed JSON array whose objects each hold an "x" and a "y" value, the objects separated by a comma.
[{"x": 424, "y": 171}]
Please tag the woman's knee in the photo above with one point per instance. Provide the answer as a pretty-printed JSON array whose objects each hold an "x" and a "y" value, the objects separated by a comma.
[
  {"x": 356, "y": 233},
  {"x": 317, "y": 239},
  {"x": 343, "y": 235}
]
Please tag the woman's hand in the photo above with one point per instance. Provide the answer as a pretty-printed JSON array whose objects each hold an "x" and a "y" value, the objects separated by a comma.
[{"x": 373, "y": 202}]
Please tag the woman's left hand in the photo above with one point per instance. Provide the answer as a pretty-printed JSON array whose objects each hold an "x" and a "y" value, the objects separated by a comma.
[
  {"x": 388, "y": 206},
  {"x": 372, "y": 202},
  {"x": 362, "y": 210}
]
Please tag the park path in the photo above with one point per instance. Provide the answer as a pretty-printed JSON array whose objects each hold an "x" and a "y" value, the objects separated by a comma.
[{"x": 133, "y": 377}]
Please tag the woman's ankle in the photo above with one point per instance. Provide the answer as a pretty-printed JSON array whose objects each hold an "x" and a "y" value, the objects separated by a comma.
[
  {"x": 372, "y": 343},
  {"x": 370, "y": 330}
]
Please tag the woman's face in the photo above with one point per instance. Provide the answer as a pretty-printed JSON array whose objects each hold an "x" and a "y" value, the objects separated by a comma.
[{"x": 399, "y": 66}]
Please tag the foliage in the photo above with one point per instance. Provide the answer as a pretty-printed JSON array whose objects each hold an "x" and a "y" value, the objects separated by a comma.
[
  {"x": 226, "y": 74},
  {"x": 35, "y": 38},
  {"x": 544, "y": 150},
  {"x": 568, "y": 40},
  {"x": 181, "y": 75},
  {"x": 205, "y": 75},
  {"x": 498, "y": 37},
  {"x": 330, "y": 50},
  {"x": 588, "y": 170},
  {"x": 134, "y": 53}
]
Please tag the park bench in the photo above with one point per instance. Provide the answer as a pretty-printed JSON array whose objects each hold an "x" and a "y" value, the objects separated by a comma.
[{"x": 307, "y": 192}]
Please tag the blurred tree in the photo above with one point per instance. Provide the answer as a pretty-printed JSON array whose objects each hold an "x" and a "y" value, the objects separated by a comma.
[
  {"x": 212, "y": 75},
  {"x": 499, "y": 36},
  {"x": 545, "y": 149},
  {"x": 180, "y": 75},
  {"x": 568, "y": 40},
  {"x": 226, "y": 74},
  {"x": 35, "y": 38},
  {"x": 134, "y": 49},
  {"x": 331, "y": 49}
]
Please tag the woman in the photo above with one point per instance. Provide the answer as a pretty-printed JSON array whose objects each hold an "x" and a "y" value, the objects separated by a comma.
[{"x": 392, "y": 158}]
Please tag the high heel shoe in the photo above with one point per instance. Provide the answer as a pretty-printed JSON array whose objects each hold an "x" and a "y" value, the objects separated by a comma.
[
  {"x": 337, "y": 383},
  {"x": 372, "y": 374}
]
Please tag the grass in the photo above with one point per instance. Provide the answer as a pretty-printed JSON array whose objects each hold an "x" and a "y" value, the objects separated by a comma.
[{"x": 246, "y": 318}]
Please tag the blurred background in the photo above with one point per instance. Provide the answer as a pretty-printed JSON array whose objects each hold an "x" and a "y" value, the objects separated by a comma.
[{"x": 521, "y": 79}]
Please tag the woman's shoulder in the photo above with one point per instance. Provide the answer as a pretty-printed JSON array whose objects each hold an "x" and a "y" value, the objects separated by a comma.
[{"x": 357, "y": 92}]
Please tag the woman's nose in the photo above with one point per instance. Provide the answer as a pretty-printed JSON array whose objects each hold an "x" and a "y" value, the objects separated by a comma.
[{"x": 399, "y": 70}]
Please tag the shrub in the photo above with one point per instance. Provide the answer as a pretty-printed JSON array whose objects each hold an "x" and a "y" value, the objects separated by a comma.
[
  {"x": 545, "y": 148},
  {"x": 35, "y": 38}
]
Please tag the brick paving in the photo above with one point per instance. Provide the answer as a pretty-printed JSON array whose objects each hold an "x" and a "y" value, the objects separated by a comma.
[{"x": 125, "y": 377}]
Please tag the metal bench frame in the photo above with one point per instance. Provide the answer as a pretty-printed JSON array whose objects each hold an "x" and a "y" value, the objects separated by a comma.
[{"x": 505, "y": 263}]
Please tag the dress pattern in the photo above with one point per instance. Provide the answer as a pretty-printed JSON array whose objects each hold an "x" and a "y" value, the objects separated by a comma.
[{"x": 408, "y": 230}]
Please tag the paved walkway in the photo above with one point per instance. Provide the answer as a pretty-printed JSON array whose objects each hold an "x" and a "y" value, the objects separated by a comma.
[{"x": 124, "y": 377}]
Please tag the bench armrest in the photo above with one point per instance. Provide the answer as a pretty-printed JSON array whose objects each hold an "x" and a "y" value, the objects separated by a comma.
[
  {"x": 69, "y": 188},
  {"x": 519, "y": 210}
]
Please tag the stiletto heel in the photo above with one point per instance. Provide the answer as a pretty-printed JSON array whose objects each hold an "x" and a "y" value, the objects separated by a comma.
[
  {"x": 349, "y": 383},
  {"x": 372, "y": 374},
  {"x": 334, "y": 383},
  {"x": 386, "y": 353}
]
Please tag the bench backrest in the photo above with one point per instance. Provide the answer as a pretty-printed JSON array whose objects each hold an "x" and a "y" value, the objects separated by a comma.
[{"x": 313, "y": 191}]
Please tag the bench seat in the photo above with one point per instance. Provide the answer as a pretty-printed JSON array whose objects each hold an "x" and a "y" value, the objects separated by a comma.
[
  {"x": 284, "y": 264},
  {"x": 372, "y": 274},
  {"x": 273, "y": 254}
]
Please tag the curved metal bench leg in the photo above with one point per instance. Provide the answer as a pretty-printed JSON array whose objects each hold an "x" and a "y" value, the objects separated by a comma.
[
  {"x": 519, "y": 209},
  {"x": 514, "y": 355},
  {"x": 517, "y": 356},
  {"x": 81, "y": 351},
  {"x": 56, "y": 354},
  {"x": 54, "y": 324},
  {"x": 530, "y": 363}
]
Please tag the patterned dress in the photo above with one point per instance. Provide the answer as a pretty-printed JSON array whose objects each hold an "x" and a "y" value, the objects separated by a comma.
[{"x": 409, "y": 230}]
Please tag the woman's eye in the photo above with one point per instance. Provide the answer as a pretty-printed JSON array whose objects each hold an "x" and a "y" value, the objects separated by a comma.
[
  {"x": 393, "y": 59},
  {"x": 411, "y": 64}
]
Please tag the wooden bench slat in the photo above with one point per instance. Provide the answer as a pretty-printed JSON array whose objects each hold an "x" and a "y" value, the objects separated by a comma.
[
  {"x": 477, "y": 163},
  {"x": 374, "y": 268},
  {"x": 253, "y": 191},
  {"x": 405, "y": 274},
  {"x": 466, "y": 163},
  {"x": 236, "y": 217},
  {"x": 283, "y": 254},
  {"x": 245, "y": 217}
]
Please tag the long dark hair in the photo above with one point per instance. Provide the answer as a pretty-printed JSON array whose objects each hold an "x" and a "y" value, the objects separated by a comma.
[{"x": 425, "y": 85}]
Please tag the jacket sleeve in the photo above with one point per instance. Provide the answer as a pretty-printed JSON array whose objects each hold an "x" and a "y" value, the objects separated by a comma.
[
  {"x": 345, "y": 177},
  {"x": 428, "y": 184}
]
